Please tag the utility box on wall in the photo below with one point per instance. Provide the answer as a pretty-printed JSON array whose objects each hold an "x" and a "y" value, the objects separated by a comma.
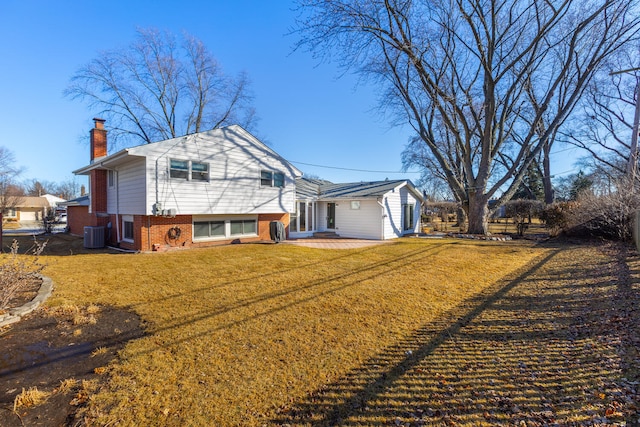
[{"x": 94, "y": 237}]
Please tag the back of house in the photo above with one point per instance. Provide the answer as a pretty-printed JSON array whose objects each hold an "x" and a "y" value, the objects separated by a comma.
[{"x": 202, "y": 189}]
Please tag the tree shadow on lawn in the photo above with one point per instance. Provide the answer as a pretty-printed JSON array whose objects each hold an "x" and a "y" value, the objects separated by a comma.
[
  {"x": 537, "y": 348},
  {"x": 294, "y": 295}
]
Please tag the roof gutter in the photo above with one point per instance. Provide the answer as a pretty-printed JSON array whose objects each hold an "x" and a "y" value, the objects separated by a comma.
[{"x": 102, "y": 163}]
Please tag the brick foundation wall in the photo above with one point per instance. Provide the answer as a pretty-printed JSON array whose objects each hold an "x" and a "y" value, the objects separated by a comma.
[
  {"x": 77, "y": 218},
  {"x": 265, "y": 219},
  {"x": 159, "y": 233}
]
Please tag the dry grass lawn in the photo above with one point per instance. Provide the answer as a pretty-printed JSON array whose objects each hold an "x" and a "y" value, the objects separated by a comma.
[{"x": 239, "y": 334}]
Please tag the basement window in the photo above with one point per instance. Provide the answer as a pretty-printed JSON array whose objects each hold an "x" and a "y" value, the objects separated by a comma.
[
  {"x": 243, "y": 227},
  {"x": 127, "y": 228},
  {"x": 220, "y": 228}
]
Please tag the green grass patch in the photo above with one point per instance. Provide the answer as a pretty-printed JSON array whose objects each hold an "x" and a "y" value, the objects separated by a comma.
[{"x": 238, "y": 333}]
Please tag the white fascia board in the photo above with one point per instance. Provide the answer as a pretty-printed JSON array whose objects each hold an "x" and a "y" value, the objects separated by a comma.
[{"x": 106, "y": 162}]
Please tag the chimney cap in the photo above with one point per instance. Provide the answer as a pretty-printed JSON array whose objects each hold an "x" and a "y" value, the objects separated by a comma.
[{"x": 99, "y": 123}]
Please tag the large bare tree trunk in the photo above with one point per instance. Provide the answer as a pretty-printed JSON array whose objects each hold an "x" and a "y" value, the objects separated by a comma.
[
  {"x": 478, "y": 213},
  {"x": 549, "y": 195}
]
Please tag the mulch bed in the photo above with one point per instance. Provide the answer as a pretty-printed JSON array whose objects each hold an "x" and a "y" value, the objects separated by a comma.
[{"x": 47, "y": 347}]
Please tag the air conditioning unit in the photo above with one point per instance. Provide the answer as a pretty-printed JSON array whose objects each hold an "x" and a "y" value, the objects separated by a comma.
[
  {"x": 94, "y": 237},
  {"x": 169, "y": 213}
]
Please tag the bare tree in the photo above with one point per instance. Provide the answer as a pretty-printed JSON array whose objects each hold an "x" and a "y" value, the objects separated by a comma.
[
  {"x": 37, "y": 188},
  {"x": 157, "y": 89},
  {"x": 604, "y": 125},
  {"x": 69, "y": 189},
  {"x": 468, "y": 67},
  {"x": 11, "y": 193}
]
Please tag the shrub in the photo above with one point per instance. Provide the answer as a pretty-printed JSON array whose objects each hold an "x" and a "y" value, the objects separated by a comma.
[
  {"x": 556, "y": 216},
  {"x": 522, "y": 211},
  {"x": 608, "y": 215},
  {"x": 17, "y": 272}
]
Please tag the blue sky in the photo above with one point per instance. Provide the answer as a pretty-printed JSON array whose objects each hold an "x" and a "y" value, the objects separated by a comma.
[{"x": 308, "y": 114}]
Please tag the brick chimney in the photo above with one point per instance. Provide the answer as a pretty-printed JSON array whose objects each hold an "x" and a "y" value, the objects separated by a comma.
[
  {"x": 98, "y": 177},
  {"x": 98, "y": 140}
]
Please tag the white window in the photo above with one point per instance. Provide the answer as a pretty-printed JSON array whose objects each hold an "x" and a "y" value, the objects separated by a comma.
[
  {"x": 188, "y": 170},
  {"x": 408, "y": 216},
  {"x": 303, "y": 218},
  {"x": 355, "y": 204},
  {"x": 208, "y": 229},
  {"x": 199, "y": 171},
  {"x": 224, "y": 228},
  {"x": 278, "y": 179},
  {"x": 179, "y": 169},
  {"x": 10, "y": 213},
  {"x": 243, "y": 227},
  {"x": 127, "y": 228},
  {"x": 271, "y": 179},
  {"x": 111, "y": 179},
  {"x": 266, "y": 177}
]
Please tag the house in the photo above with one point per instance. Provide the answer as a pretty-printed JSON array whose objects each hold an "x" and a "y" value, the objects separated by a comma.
[
  {"x": 377, "y": 210},
  {"x": 27, "y": 209},
  {"x": 222, "y": 186},
  {"x": 212, "y": 187}
]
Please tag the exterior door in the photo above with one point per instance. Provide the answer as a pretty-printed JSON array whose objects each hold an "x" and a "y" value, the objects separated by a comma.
[{"x": 331, "y": 216}]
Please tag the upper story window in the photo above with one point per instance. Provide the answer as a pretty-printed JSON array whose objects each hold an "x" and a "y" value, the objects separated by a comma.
[
  {"x": 188, "y": 170},
  {"x": 199, "y": 171},
  {"x": 111, "y": 178},
  {"x": 271, "y": 179}
]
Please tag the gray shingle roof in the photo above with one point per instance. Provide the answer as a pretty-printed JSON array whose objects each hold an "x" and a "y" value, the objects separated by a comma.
[{"x": 313, "y": 188}]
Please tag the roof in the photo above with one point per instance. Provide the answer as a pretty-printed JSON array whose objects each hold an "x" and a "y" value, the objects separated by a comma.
[
  {"x": 53, "y": 200},
  {"x": 143, "y": 150},
  {"x": 309, "y": 188},
  {"x": 79, "y": 201},
  {"x": 32, "y": 202}
]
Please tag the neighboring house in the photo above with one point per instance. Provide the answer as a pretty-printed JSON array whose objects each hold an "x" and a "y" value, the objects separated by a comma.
[
  {"x": 78, "y": 209},
  {"x": 212, "y": 187},
  {"x": 54, "y": 201},
  {"x": 27, "y": 209},
  {"x": 377, "y": 210},
  {"x": 223, "y": 186}
]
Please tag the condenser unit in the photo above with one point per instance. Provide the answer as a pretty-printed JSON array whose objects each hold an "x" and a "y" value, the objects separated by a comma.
[
  {"x": 169, "y": 213},
  {"x": 93, "y": 237}
]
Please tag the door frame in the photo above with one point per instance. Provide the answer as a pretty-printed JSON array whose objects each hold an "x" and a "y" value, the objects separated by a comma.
[{"x": 331, "y": 216}]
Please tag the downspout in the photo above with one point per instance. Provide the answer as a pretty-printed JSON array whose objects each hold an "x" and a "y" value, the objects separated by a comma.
[
  {"x": 117, "y": 206},
  {"x": 382, "y": 216},
  {"x": 157, "y": 189}
]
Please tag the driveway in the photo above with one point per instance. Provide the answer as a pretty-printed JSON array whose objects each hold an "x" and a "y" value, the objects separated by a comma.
[{"x": 32, "y": 227}]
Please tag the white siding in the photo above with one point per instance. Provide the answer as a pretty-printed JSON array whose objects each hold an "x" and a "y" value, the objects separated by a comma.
[
  {"x": 394, "y": 201},
  {"x": 235, "y": 160},
  {"x": 128, "y": 195},
  {"x": 363, "y": 223}
]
